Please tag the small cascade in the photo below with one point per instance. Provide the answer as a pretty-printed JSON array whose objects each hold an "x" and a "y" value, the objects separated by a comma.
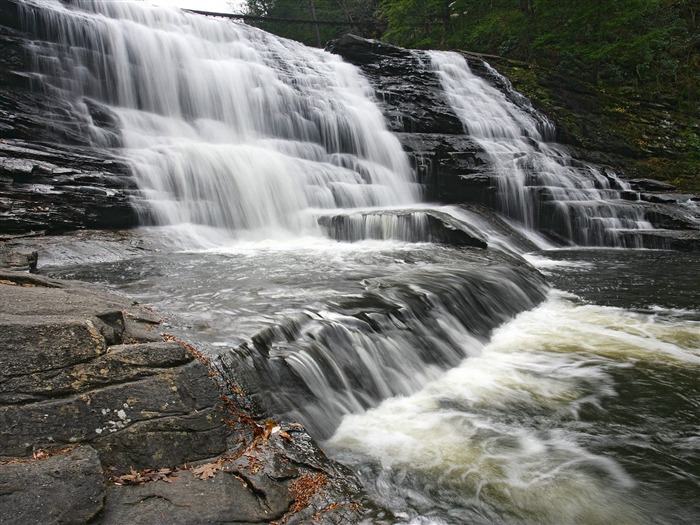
[
  {"x": 538, "y": 184},
  {"x": 429, "y": 225},
  {"x": 406, "y": 227},
  {"x": 224, "y": 125},
  {"x": 399, "y": 333}
]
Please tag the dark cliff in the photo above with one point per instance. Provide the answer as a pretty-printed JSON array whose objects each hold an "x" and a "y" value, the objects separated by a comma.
[{"x": 51, "y": 180}]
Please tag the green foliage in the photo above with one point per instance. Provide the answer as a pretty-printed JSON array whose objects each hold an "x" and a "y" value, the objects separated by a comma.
[
  {"x": 418, "y": 23},
  {"x": 652, "y": 45}
]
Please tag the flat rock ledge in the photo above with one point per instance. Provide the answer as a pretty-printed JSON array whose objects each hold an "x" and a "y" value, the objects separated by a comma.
[{"x": 104, "y": 419}]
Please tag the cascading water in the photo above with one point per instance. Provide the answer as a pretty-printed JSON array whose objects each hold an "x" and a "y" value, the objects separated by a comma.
[
  {"x": 229, "y": 128},
  {"x": 225, "y": 126},
  {"x": 383, "y": 347},
  {"x": 538, "y": 183}
]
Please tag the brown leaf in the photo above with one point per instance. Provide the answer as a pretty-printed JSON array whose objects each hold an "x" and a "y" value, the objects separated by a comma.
[
  {"x": 271, "y": 427},
  {"x": 285, "y": 435},
  {"x": 145, "y": 476},
  {"x": 206, "y": 471},
  {"x": 40, "y": 454}
]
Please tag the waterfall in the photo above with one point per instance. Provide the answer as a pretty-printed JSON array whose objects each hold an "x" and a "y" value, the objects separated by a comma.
[
  {"x": 224, "y": 126},
  {"x": 538, "y": 183},
  {"x": 416, "y": 339}
]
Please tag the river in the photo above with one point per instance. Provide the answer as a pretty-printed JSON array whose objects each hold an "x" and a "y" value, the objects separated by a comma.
[{"x": 582, "y": 409}]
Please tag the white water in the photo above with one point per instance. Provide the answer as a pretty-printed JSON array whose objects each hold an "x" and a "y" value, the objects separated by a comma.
[
  {"x": 224, "y": 125},
  {"x": 580, "y": 204},
  {"x": 506, "y": 437}
]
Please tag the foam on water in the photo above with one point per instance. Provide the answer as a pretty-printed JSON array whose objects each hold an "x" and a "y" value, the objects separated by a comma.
[{"x": 502, "y": 436}]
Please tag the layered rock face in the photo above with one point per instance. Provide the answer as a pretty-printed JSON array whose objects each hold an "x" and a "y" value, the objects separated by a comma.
[
  {"x": 451, "y": 166},
  {"x": 455, "y": 168},
  {"x": 105, "y": 420},
  {"x": 51, "y": 180}
]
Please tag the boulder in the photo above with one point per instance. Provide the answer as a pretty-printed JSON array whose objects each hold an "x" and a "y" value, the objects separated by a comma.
[
  {"x": 67, "y": 487},
  {"x": 96, "y": 404}
]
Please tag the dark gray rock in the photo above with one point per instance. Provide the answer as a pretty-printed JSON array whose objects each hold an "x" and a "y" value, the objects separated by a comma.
[
  {"x": 52, "y": 189},
  {"x": 51, "y": 179},
  {"x": 453, "y": 168},
  {"x": 68, "y": 378},
  {"x": 669, "y": 198},
  {"x": 416, "y": 226},
  {"x": 18, "y": 259},
  {"x": 680, "y": 240},
  {"x": 65, "y": 488},
  {"x": 84, "y": 367},
  {"x": 669, "y": 216},
  {"x": 225, "y": 498},
  {"x": 409, "y": 94},
  {"x": 274, "y": 479},
  {"x": 650, "y": 185}
]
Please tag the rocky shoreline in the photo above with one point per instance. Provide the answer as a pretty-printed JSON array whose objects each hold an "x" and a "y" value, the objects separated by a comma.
[{"x": 105, "y": 419}]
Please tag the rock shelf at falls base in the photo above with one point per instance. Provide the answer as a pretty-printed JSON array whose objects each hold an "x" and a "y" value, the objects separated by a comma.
[{"x": 91, "y": 391}]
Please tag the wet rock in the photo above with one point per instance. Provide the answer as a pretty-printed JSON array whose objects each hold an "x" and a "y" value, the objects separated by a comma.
[
  {"x": 673, "y": 217},
  {"x": 409, "y": 94},
  {"x": 85, "y": 368},
  {"x": 650, "y": 185},
  {"x": 51, "y": 178},
  {"x": 53, "y": 189},
  {"x": 453, "y": 168},
  {"x": 269, "y": 481},
  {"x": 629, "y": 195},
  {"x": 64, "y": 488},
  {"x": 669, "y": 198},
  {"x": 417, "y": 226},
  {"x": 685, "y": 241},
  {"x": 18, "y": 259}
]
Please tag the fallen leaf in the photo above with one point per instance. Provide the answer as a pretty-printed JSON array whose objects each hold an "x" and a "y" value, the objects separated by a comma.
[
  {"x": 146, "y": 476},
  {"x": 206, "y": 471},
  {"x": 271, "y": 427}
]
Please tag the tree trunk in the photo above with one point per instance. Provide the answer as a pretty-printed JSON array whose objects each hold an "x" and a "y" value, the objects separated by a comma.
[
  {"x": 313, "y": 17},
  {"x": 526, "y": 7}
]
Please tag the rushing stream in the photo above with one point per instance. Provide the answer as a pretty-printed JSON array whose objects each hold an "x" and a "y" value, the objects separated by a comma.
[
  {"x": 492, "y": 380},
  {"x": 580, "y": 410}
]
